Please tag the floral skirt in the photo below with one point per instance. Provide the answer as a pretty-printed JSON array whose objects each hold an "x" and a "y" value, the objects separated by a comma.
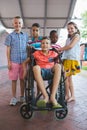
[{"x": 71, "y": 67}]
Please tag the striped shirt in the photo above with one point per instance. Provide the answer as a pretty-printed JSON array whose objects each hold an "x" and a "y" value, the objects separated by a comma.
[{"x": 36, "y": 44}]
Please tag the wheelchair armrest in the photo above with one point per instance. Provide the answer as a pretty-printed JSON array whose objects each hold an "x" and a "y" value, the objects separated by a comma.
[{"x": 58, "y": 57}]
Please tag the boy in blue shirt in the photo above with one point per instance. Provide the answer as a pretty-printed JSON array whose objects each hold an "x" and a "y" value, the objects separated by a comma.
[{"x": 16, "y": 43}]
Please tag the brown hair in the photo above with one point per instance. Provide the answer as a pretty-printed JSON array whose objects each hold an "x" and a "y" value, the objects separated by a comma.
[
  {"x": 75, "y": 25},
  {"x": 45, "y": 37}
]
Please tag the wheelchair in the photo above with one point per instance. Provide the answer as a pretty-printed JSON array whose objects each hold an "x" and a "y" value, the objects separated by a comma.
[{"x": 28, "y": 108}]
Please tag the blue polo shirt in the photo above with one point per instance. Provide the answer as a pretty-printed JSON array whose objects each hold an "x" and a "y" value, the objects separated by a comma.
[{"x": 18, "y": 43}]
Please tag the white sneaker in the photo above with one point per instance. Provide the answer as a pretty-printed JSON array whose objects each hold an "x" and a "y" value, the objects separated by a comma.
[
  {"x": 22, "y": 99},
  {"x": 13, "y": 101}
]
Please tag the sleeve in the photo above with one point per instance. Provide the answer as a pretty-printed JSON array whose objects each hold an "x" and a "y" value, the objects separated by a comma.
[
  {"x": 8, "y": 40},
  {"x": 56, "y": 46}
]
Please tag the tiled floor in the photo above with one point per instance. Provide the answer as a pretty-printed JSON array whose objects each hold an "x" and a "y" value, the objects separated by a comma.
[{"x": 10, "y": 118}]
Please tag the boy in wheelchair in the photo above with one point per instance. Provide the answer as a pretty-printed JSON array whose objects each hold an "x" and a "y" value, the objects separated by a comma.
[{"x": 46, "y": 69}]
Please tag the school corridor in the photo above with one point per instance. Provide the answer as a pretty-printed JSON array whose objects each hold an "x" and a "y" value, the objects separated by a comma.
[{"x": 10, "y": 118}]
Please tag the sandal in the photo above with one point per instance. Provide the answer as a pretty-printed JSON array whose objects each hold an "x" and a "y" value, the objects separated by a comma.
[
  {"x": 41, "y": 104},
  {"x": 56, "y": 106}
]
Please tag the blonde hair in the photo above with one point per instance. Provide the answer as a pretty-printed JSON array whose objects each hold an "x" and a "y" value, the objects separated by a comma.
[{"x": 18, "y": 17}]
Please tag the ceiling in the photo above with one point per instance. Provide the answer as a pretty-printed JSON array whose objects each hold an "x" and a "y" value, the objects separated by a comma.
[{"x": 50, "y": 14}]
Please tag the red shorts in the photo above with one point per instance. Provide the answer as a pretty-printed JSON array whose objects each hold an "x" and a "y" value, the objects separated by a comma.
[{"x": 16, "y": 71}]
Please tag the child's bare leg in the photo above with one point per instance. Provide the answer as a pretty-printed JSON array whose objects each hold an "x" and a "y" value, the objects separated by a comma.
[
  {"x": 71, "y": 88},
  {"x": 38, "y": 90},
  {"x": 67, "y": 96},
  {"x": 56, "y": 80},
  {"x": 14, "y": 83},
  {"x": 40, "y": 82}
]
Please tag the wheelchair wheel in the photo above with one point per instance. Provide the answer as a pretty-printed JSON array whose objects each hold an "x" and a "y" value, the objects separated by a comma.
[
  {"x": 61, "y": 114},
  {"x": 25, "y": 111}
]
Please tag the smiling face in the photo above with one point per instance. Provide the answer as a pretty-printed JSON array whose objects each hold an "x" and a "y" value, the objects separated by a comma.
[
  {"x": 17, "y": 24},
  {"x": 54, "y": 37},
  {"x": 45, "y": 45},
  {"x": 71, "y": 29},
  {"x": 35, "y": 32}
]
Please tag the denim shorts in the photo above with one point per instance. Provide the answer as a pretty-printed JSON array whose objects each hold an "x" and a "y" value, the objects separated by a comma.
[{"x": 47, "y": 74}]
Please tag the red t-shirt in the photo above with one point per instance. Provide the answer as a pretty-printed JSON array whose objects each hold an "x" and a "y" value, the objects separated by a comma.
[{"x": 45, "y": 61}]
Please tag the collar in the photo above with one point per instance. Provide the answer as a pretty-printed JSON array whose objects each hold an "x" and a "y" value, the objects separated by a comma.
[{"x": 18, "y": 33}]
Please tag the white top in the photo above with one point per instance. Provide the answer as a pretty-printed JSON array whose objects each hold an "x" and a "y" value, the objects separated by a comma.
[{"x": 73, "y": 53}]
